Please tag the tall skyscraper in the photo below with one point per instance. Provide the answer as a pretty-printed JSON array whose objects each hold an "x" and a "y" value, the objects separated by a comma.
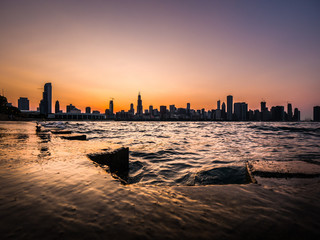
[
  {"x": 23, "y": 103},
  {"x": 46, "y": 102},
  {"x": 296, "y": 116},
  {"x": 218, "y": 105},
  {"x": 111, "y": 107},
  {"x": 139, "y": 106},
  {"x": 316, "y": 113},
  {"x": 151, "y": 110},
  {"x": 88, "y": 109},
  {"x": 57, "y": 107},
  {"x": 229, "y": 107},
  {"x": 263, "y": 106},
  {"x": 131, "y": 109},
  {"x": 289, "y": 109},
  {"x": 240, "y": 111}
]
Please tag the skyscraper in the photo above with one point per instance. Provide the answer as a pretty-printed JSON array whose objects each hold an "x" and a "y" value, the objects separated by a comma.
[
  {"x": 296, "y": 116},
  {"x": 151, "y": 110},
  {"x": 23, "y": 103},
  {"x": 131, "y": 109},
  {"x": 57, "y": 107},
  {"x": 263, "y": 106},
  {"x": 229, "y": 107},
  {"x": 240, "y": 111},
  {"x": 289, "y": 109},
  {"x": 218, "y": 105},
  {"x": 316, "y": 113},
  {"x": 139, "y": 106},
  {"x": 111, "y": 107},
  {"x": 88, "y": 109},
  {"x": 46, "y": 102}
]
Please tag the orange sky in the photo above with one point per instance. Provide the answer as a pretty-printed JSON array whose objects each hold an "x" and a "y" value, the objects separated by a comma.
[{"x": 170, "y": 52}]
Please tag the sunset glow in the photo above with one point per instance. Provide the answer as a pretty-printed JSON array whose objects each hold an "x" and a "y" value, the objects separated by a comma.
[{"x": 173, "y": 52}]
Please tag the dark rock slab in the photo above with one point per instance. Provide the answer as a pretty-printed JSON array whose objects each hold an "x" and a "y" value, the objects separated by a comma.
[
  {"x": 117, "y": 160},
  {"x": 75, "y": 137},
  {"x": 61, "y": 132}
]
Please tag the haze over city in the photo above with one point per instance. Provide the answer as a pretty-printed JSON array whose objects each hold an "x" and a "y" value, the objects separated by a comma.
[{"x": 173, "y": 52}]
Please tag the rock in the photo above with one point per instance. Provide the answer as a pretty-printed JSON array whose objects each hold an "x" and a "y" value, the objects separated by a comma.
[
  {"x": 75, "y": 137},
  {"x": 62, "y": 132},
  {"x": 117, "y": 160}
]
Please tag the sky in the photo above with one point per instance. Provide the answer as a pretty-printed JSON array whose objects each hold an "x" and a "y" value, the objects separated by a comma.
[{"x": 172, "y": 51}]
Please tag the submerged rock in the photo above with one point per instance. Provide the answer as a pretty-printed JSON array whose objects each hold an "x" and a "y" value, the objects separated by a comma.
[
  {"x": 75, "y": 137},
  {"x": 117, "y": 160},
  {"x": 61, "y": 132}
]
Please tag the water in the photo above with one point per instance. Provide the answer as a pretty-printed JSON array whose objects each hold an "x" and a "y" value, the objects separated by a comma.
[{"x": 187, "y": 180}]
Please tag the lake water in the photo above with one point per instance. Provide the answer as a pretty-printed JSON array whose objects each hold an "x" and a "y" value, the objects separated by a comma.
[{"x": 187, "y": 180}]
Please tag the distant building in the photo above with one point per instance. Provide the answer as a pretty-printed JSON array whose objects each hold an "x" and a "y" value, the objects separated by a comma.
[
  {"x": 23, "y": 103},
  {"x": 163, "y": 112},
  {"x": 316, "y": 113},
  {"x": 263, "y": 106},
  {"x": 131, "y": 111},
  {"x": 218, "y": 105},
  {"x": 57, "y": 107},
  {"x": 296, "y": 116},
  {"x": 188, "y": 109},
  {"x": 289, "y": 110},
  {"x": 277, "y": 113},
  {"x": 229, "y": 107},
  {"x": 172, "y": 108},
  {"x": 88, "y": 110},
  {"x": 111, "y": 107},
  {"x": 151, "y": 110},
  {"x": 72, "y": 109},
  {"x": 95, "y": 112},
  {"x": 240, "y": 111},
  {"x": 46, "y": 102},
  {"x": 139, "y": 106}
]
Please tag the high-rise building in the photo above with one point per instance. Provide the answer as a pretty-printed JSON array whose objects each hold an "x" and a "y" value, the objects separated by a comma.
[
  {"x": 139, "y": 106},
  {"x": 151, "y": 110},
  {"x": 289, "y": 109},
  {"x": 188, "y": 109},
  {"x": 23, "y": 103},
  {"x": 88, "y": 110},
  {"x": 277, "y": 113},
  {"x": 46, "y": 102},
  {"x": 57, "y": 107},
  {"x": 111, "y": 107},
  {"x": 72, "y": 109},
  {"x": 240, "y": 111},
  {"x": 229, "y": 107},
  {"x": 316, "y": 113},
  {"x": 296, "y": 116},
  {"x": 263, "y": 106},
  {"x": 131, "y": 109},
  {"x": 172, "y": 108},
  {"x": 163, "y": 112},
  {"x": 218, "y": 105}
]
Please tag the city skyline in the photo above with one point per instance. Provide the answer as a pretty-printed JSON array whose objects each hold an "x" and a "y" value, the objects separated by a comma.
[
  {"x": 170, "y": 51},
  {"x": 235, "y": 111}
]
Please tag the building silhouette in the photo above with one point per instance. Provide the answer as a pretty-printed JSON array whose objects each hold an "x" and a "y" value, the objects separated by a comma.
[
  {"x": 46, "y": 102},
  {"x": 277, "y": 113},
  {"x": 240, "y": 111},
  {"x": 229, "y": 107},
  {"x": 23, "y": 103},
  {"x": 139, "y": 106},
  {"x": 316, "y": 113},
  {"x": 88, "y": 110},
  {"x": 57, "y": 107},
  {"x": 289, "y": 112},
  {"x": 296, "y": 116},
  {"x": 111, "y": 107}
]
